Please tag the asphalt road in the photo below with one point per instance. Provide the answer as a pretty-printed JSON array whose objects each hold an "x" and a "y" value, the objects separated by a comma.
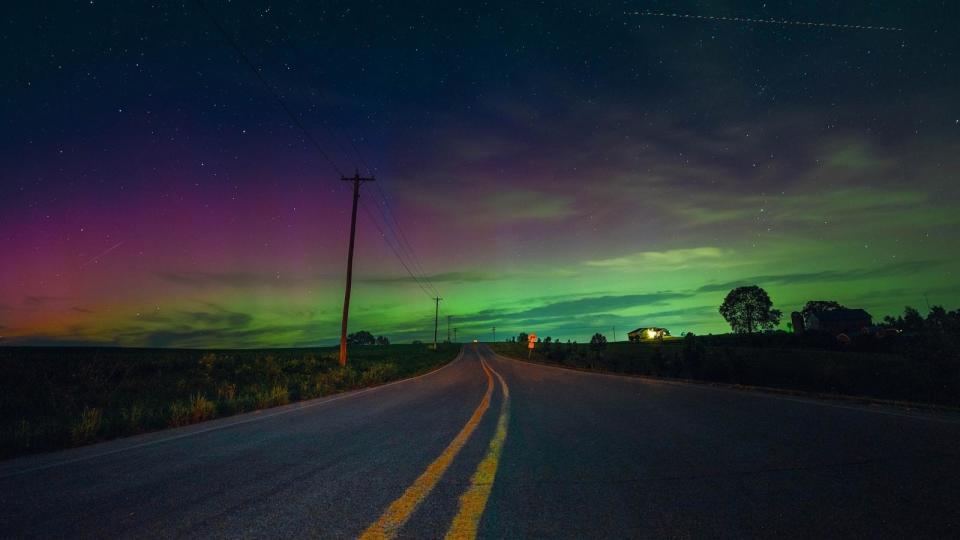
[{"x": 567, "y": 455}]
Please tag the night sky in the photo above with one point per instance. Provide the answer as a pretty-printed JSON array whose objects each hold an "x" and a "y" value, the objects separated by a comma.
[{"x": 557, "y": 167}]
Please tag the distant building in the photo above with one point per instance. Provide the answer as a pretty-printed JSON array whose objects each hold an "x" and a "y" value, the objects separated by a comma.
[
  {"x": 840, "y": 321},
  {"x": 647, "y": 333}
]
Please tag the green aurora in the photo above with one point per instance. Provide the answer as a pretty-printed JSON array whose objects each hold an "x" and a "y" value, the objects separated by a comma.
[{"x": 561, "y": 171}]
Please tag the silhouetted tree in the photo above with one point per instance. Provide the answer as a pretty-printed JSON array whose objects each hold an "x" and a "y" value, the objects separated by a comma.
[
  {"x": 938, "y": 320},
  {"x": 361, "y": 338},
  {"x": 912, "y": 320},
  {"x": 383, "y": 340},
  {"x": 818, "y": 306},
  {"x": 748, "y": 309},
  {"x": 598, "y": 342},
  {"x": 522, "y": 337}
]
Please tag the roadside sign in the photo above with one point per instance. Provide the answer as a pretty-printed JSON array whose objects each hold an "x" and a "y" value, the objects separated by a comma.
[{"x": 531, "y": 341}]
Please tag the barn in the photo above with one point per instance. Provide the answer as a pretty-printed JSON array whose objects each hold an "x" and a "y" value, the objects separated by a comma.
[{"x": 840, "y": 321}]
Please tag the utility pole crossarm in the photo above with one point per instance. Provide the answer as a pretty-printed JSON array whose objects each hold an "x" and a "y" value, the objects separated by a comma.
[{"x": 357, "y": 180}]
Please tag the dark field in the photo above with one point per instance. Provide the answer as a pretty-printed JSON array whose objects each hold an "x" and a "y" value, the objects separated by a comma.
[
  {"x": 55, "y": 397},
  {"x": 907, "y": 373}
]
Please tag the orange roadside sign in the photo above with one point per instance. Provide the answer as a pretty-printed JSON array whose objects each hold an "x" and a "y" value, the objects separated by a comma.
[{"x": 531, "y": 341}]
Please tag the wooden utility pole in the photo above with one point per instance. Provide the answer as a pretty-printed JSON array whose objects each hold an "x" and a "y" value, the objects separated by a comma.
[
  {"x": 448, "y": 329},
  {"x": 494, "y": 334},
  {"x": 436, "y": 316},
  {"x": 454, "y": 335},
  {"x": 353, "y": 233}
]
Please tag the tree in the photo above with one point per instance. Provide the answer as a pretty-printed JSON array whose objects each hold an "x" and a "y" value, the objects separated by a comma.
[
  {"x": 522, "y": 337},
  {"x": 598, "y": 341},
  {"x": 383, "y": 340},
  {"x": 361, "y": 338},
  {"x": 818, "y": 306},
  {"x": 912, "y": 320},
  {"x": 748, "y": 309}
]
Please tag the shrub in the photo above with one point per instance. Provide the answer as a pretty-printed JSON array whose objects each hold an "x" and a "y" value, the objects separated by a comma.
[
  {"x": 23, "y": 434},
  {"x": 207, "y": 361},
  {"x": 179, "y": 414},
  {"x": 342, "y": 378},
  {"x": 378, "y": 373},
  {"x": 276, "y": 395},
  {"x": 279, "y": 395},
  {"x": 227, "y": 392},
  {"x": 132, "y": 418},
  {"x": 201, "y": 408},
  {"x": 87, "y": 426}
]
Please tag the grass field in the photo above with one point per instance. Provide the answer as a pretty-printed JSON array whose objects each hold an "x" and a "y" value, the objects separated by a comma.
[
  {"x": 56, "y": 397},
  {"x": 853, "y": 373}
]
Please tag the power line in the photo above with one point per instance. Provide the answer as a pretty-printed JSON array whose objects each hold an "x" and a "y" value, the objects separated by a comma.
[
  {"x": 390, "y": 221},
  {"x": 387, "y": 214},
  {"x": 404, "y": 246},
  {"x": 386, "y": 239},
  {"x": 330, "y": 130},
  {"x": 403, "y": 237},
  {"x": 273, "y": 91},
  {"x": 399, "y": 258}
]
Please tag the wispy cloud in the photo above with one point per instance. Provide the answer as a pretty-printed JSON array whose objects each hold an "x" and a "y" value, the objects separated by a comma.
[
  {"x": 230, "y": 319},
  {"x": 36, "y": 301},
  {"x": 201, "y": 279},
  {"x": 574, "y": 307},
  {"x": 669, "y": 259},
  {"x": 466, "y": 276},
  {"x": 890, "y": 270}
]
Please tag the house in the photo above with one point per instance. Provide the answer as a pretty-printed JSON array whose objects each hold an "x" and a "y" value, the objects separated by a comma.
[
  {"x": 840, "y": 321},
  {"x": 647, "y": 333}
]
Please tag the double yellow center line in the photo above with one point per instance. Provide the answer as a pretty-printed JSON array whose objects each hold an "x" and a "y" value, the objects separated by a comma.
[{"x": 474, "y": 500}]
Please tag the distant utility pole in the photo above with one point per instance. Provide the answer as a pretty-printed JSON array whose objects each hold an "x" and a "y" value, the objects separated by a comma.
[
  {"x": 353, "y": 233},
  {"x": 436, "y": 317},
  {"x": 494, "y": 334},
  {"x": 614, "y": 334},
  {"x": 454, "y": 335}
]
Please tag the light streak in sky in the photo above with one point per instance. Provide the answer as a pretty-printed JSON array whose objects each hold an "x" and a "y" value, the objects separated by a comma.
[
  {"x": 95, "y": 259},
  {"x": 766, "y": 21}
]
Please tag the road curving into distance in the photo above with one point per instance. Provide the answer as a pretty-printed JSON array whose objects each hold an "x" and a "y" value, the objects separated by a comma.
[{"x": 492, "y": 447}]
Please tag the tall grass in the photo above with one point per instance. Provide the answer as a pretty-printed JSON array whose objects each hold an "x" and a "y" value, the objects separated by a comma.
[
  {"x": 58, "y": 397},
  {"x": 86, "y": 428}
]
